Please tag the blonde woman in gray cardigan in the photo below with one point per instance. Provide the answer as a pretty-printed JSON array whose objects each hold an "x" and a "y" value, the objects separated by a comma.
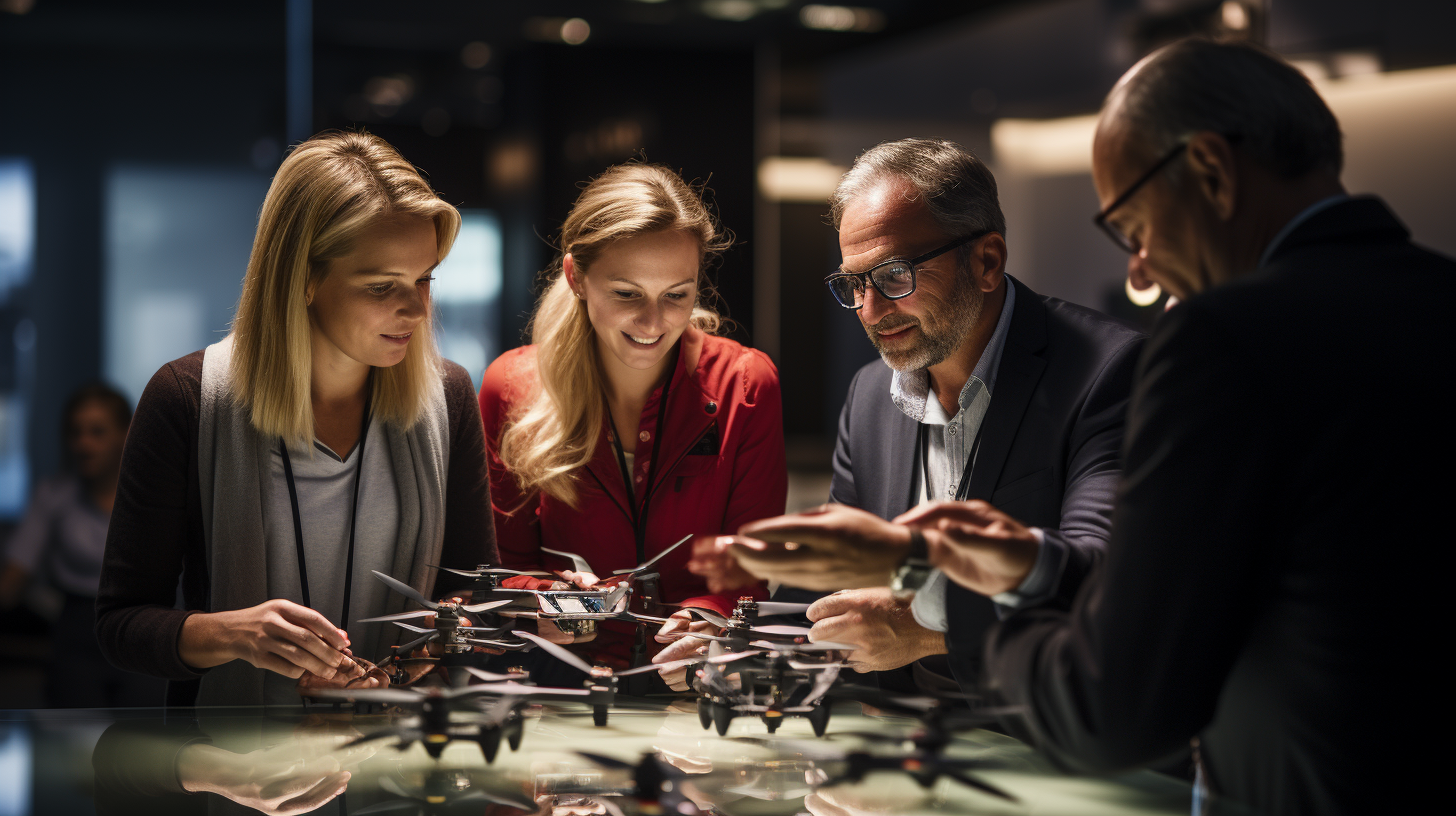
[{"x": 322, "y": 438}]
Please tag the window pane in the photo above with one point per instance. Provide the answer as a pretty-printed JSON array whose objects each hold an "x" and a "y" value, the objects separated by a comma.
[
  {"x": 466, "y": 292},
  {"x": 177, "y": 244},
  {"x": 17, "y": 331}
]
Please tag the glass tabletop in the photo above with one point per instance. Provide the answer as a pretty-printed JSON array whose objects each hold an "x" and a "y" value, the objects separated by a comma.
[{"x": 652, "y": 756}]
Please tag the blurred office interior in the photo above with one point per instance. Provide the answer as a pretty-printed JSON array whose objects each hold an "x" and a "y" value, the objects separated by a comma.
[{"x": 137, "y": 141}]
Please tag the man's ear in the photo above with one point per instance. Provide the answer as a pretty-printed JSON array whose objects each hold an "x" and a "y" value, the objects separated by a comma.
[
  {"x": 988, "y": 261},
  {"x": 1212, "y": 170}
]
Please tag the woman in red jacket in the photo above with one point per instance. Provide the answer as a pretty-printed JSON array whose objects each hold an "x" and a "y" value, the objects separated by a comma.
[{"x": 627, "y": 424}]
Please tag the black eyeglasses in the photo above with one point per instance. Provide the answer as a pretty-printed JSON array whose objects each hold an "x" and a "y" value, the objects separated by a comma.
[
  {"x": 893, "y": 279},
  {"x": 1113, "y": 231}
]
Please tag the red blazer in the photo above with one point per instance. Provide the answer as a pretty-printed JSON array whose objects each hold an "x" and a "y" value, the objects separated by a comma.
[{"x": 721, "y": 466}]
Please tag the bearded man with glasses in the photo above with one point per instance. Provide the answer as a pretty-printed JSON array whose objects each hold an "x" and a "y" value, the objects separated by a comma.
[{"x": 987, "y": 390}]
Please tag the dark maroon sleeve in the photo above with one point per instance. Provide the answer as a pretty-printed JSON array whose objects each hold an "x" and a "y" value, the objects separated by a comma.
[
  {"x": 469, "y": 533},
  {"x": 155, "y": 529}
]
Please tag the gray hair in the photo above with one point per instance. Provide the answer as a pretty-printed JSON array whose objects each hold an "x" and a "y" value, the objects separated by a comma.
[
  {"x": 956, "y": 186},
  {"x": 1234, "y": 89}
]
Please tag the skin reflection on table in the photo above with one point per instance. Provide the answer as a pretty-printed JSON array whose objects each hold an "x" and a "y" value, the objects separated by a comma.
[{"x": 248, "y": 761}]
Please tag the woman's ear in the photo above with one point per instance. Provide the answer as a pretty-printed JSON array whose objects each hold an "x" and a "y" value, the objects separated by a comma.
[{"x": 568, "y": 269}]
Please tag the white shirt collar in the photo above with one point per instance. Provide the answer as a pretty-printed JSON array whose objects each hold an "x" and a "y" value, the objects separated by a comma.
[{"x": 910, "y": 390}]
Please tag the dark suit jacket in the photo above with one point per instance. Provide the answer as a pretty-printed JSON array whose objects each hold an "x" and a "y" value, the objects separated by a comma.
[
  {"x": 1269, "y": 577},
  {"x": 1050, "y": 443}
]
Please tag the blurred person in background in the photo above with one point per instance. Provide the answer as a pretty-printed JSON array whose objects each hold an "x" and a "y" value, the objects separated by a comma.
[
  {"x": 628, "y": 424},
  {"x": 61, "y": 541},
  {"x": 323, "y": 438}
]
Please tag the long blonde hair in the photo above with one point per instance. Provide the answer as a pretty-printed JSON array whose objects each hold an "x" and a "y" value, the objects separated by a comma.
[
  {"x": 329, "y": 190},
  {"x": 556, "y": 432}
]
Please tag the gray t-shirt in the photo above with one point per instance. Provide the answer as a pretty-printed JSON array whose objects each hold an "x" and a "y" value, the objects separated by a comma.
[
  {"x": 325, "y": 485},
  {"x": 62, "y": 534}
]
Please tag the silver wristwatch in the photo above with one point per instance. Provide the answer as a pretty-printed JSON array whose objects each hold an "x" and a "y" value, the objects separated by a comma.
[{"x": 914, "y": 571}]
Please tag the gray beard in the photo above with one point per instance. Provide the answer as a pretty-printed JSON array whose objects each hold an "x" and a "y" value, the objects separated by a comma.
[{"x": 939, "y": 338}]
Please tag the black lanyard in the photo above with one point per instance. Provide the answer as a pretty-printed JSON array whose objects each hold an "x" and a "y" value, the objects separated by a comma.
[
  {"x": 353, "y": 516},
  {"x": 639, "y": 517},
  {"x": 922, "y": 443}
]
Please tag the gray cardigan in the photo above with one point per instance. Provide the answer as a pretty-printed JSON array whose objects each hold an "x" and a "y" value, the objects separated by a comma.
[{"x": 189, "y": 506}]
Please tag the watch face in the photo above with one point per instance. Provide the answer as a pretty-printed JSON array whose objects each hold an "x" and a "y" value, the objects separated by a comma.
[{"x": 910, "y": 577}]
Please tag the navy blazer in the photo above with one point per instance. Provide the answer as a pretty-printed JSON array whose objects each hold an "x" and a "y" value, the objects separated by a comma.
[
  {"x": 1272, "y": 585},
  {"x": 1050, "y": 444}
]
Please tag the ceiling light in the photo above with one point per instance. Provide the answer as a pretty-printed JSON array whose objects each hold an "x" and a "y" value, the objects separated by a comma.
[
  {"x": 1235, "y": 16},
  {"x": 841, "y": 18},
  {"x": 575, "y": 31},
  {"x": 475, "y": 55},
  {"x": 1045, "y": 147},
  {"x": 733, "y": 10},
  {"x": 808, "y": 180}
]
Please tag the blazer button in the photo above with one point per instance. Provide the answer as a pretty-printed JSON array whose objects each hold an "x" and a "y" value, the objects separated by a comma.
[{"x": 711, "y": 408}]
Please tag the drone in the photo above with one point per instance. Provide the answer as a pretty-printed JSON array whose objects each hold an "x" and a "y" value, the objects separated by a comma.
[
  {"x": 573, "y": 611},
  {"x": 456, "y": 638},
  {"x": 921, "y": 752},
  {"x": 432, "y": 725},
  {"x": 775, "y": 680},
  {"x": 743, "y": 626},
  {"x": 781, "y": 674},
  {"x": 601, "y": 681},
  {"x": 941, "y": 716}
]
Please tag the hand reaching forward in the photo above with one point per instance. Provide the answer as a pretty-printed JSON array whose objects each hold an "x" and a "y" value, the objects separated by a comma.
[
  {"x": 280, "y": 636},
  {"x": 975, "y": 545},
  {"x": 830, "y": 547},
  {"x": 713, "y": 560}
]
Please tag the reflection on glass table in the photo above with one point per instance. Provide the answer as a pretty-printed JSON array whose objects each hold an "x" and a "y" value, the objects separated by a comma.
[{"x": 653, "y": 757}]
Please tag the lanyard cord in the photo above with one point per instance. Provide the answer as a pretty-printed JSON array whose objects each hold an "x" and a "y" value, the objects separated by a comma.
[
  {"x": 353, "y": 516},
  {"x": 639, "y": 517},
  {"x": 922, "y": 441}
]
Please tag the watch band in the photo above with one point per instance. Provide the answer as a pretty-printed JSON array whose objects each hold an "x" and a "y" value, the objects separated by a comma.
[{"x": 914, "y": 571}]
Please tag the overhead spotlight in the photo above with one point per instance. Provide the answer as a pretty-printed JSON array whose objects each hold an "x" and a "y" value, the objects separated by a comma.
[
  {"x": 841, "y": 18},
  {"x": 1235, "y": 16},
  {"x": 732, "y": 10},
  {"x": 575, "y": 31},
  {"x": 1355, "y": 64},
  {"x": 808, "y": 180},
  {"x": 387, "y": 94},
  {"x": 475, "y": 55}
]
